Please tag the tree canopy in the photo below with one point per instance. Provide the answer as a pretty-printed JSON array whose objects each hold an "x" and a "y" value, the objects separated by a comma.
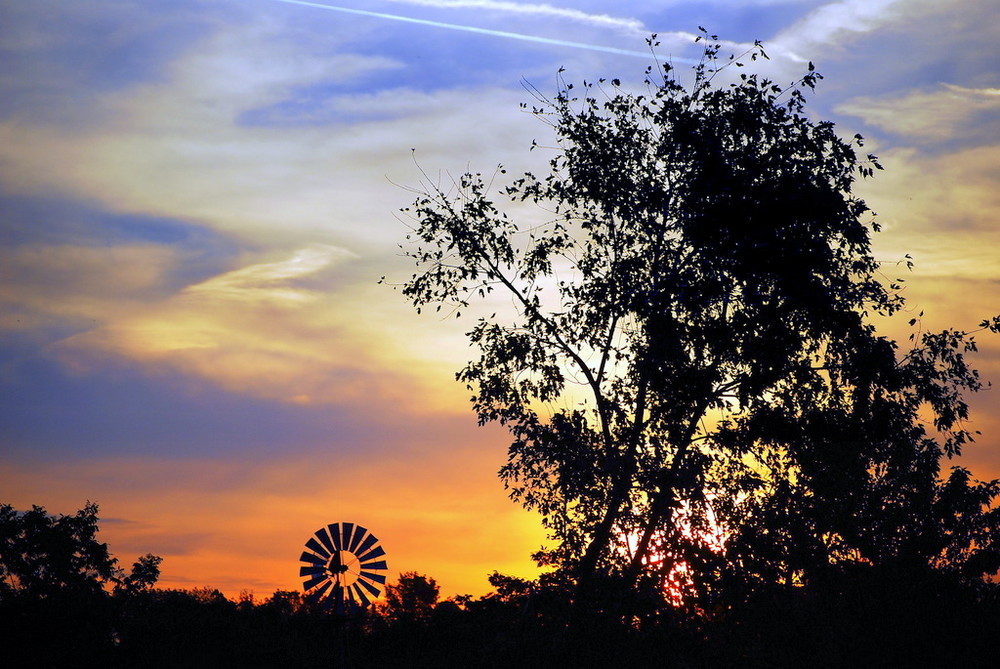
[
  {"x": 411, "y": 599},
  {"x": 691, "y": 375},
  {"x": 44, "y": 556}
]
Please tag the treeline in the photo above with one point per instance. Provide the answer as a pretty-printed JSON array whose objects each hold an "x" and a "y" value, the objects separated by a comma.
[
  {"x": 65, "y": 602},
  {"x": 864, "y": 619}
]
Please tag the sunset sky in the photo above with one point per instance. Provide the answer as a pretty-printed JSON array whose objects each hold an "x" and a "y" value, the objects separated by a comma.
[{"x": 198, "y": 198}]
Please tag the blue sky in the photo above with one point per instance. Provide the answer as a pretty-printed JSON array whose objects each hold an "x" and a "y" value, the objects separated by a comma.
[{"x": 197, "y": 200}]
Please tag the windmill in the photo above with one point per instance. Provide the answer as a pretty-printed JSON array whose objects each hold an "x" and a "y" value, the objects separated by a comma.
[{"x": 341, "y": 564}]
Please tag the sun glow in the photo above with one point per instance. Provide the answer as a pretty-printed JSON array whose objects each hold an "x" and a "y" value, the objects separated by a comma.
[{"x": 670, "y": 566}]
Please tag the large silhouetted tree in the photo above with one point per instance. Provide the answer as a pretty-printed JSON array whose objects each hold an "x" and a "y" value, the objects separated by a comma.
[{"x": 691, "y": 348}]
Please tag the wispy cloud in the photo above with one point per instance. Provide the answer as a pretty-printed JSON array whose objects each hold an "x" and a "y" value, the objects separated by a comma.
[
  {"x": 538, "y": 39},
  {"x": 936, "y": 114},
  {"x": 273, "y": 281},
  {"x": 66, "y": 286},
  {"x": 942, "y": 209},
  {"x": 281, "y": 330},
  {"x": 176, "y": 147},
  {"x": 627, "y": 25}
]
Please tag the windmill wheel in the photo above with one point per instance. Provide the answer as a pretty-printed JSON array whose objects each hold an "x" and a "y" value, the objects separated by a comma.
[{"x": 341, "y": 565}]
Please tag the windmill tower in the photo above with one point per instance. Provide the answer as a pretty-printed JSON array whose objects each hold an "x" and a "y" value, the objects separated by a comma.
[{"x": 342, "y": 567}]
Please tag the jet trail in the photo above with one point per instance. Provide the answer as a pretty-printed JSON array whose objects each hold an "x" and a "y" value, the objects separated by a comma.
[{"x": 483, "y": 31}]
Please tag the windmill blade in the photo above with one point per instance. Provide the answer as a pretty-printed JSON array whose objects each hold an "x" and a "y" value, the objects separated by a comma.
[
  {"x": 348, "y": 530},
  {"x": 359, "y": 534},
  {"x": 311, "y": 571},
  {"x": 366, "y": 545},
  {"x": 368, "y": 586},
  {"x": 334, "y": 529},
  {"x": 315, "y": 559},
  {"x": 361, "y": 595},
  {"x": 318, "y": 592},
  {"x": 376, "y": 552},
  {"x": 372, "y": 576},
  {"x": 314, "y": 546},
  {"x": 314, "y": 581},
  {"x": 324, "y": 536},
  {"x": 375, "y": 565}
]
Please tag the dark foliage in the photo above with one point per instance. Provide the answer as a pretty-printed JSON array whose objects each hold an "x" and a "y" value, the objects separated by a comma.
[
  {"x": 411, "y": 600},
  {"x": 858, "y": 618},
  {"x": 62, "y": 595},
  {"x": 863, "y": 619}
]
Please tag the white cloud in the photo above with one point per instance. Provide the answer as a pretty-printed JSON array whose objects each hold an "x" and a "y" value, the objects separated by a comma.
[
  {"x": 303, "y": 326},
  {"x": 177, "y": 148},
  {"x": 988, "y": 93},
  {"x": 833, "y": 24},
  {"x": 268, "y": 282}
]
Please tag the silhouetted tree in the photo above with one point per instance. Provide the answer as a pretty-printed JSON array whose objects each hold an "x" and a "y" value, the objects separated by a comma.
[
  {"x": 143, "y": 575},
  {"x": 285, "y": 602},
  {"x": 411, "y": 599},
  {"x": 42, "y": 556},
  {"x": 691, "y": 345}
]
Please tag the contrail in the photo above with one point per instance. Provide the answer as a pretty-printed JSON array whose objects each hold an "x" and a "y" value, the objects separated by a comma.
[{"x": 483, "y": 31}]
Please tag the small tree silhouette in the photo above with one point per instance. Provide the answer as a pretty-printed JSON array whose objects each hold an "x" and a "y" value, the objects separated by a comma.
[{"x": 411, "y": 600}]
